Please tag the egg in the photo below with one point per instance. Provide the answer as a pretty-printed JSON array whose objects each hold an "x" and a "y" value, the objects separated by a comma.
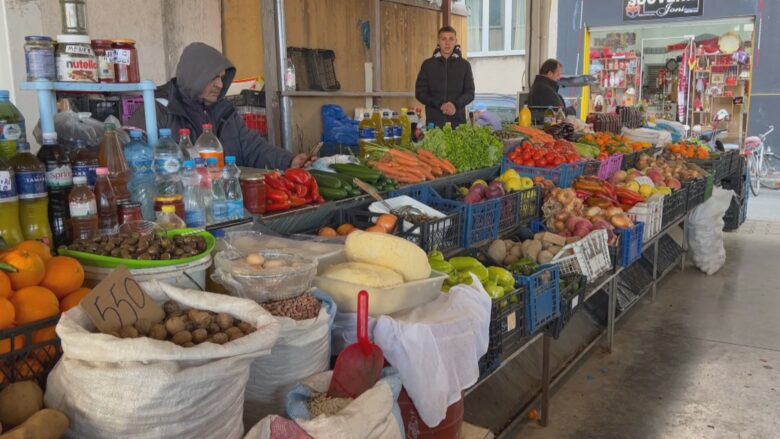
[{"x": 255, "y": 259}]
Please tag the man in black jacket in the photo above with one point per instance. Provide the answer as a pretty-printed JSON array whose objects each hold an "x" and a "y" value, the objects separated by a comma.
[
  {"x": 445, "y": 84},
  {"x": 544, "y": 91}
]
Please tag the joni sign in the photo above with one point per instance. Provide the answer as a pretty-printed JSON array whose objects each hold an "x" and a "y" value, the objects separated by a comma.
[{"x": 654, "y": 9}]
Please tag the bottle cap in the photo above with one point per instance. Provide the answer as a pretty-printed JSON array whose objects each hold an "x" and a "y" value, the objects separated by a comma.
[
  {"x": 79, "y": 179},
  {"x": 169, "y": 209},
  {"x": 404, "y": 109},
  {"x": 230, "y": 160},
  {"x": 189, "y": 164},
  {"x": 165, "y": 132},
  {"x": 184, "y": 132},
  {"x": 136, "y": 134},
  {"x": 208, "y": 126},
  {"x": 211, "y": 161},
  {"x": 49, "y": 138},
  {"x": 101, "y": 171}
]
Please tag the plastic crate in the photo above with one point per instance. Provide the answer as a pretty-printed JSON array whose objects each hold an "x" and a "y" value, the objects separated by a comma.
[
  {"x": 488, "y": 363},
  {"x": 737, "y": 164},
  {"x": 572, "y": 299},
  {"x": 629, "y": 246},
  {"x": 530, "y": 204},
  {"x": 543, "y": 297},
  {"x": 441, "y": 233},
  {"x": 298, "y": 56},
  {"x": 717, "y": 166},
  {"x": 588, "y": 257},
  {"x": 129, "y": 105},
  {"x": 507, "y": 326},
  {"x": 256, "y": 122},
  {"x": 650, "y": 213},
  {"x": 674, "y": 207},
  {"x": 735, "y": 215},
  {"x": 636, "y": 277},
  {"x": 629, "y": 160},
  {"x": 696, "y": 190},
  {"x": 481, "y": 221},
  {"x": 248, "y": 98},
  {"x": 31, "y": 360},
  {"x": 609, "y": 166},
  {"x": 668, "y": 252},
  {"x": 322, "y": 68},
  {"x": 101, "y": 107},
  {"x": 562, "y": 175},
  {"x": 591, "y": 167}
]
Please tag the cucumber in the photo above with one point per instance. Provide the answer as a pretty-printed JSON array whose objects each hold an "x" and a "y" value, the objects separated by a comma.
[
  {"x": 346, "y": 180},
  {"x": 361, "y": 172},
  {"x": 329, "y": 181},
  {"x": 332, "y": 194}
]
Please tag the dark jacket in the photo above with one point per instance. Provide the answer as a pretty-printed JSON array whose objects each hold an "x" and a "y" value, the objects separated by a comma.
[
  {"x": 544, "y": 93},
  {"x": 445, "y": 80},
  {"x": 179, "y": 106}
]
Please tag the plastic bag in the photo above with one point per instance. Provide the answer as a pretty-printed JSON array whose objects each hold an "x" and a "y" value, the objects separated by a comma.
[
  {"x": 373, "y": 415},
  {"x": 705, "y": 231},
  {"x": 72, "y": 126},
  {"x": 303, "y": 349},
  {"x": 276, "y": 427},
  {"x": 337, "y": 127},
  {"x": 146, "y": 388}
]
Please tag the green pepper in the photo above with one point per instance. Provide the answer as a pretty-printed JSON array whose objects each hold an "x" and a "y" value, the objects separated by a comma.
[
  {"x": 463, "y": 263},
  {"x": 446, "y": 288},
  {"x": 494, "y": 291},
  {"x": 480, "y": 271},
  {"x": 441, "y": 266},
  {"x": 435, "y": 255},
  {"x": 504, "y": 278},
  {"x": 464, "y": 278},
  {"x": 454, "y": 278}
]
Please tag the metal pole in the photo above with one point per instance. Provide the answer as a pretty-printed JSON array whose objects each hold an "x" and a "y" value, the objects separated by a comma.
[
  {"x": 655, "y": 266},
  {"x": 611, "y": 314},
  {"x": 285, "y": 107},
  {"x": 545, "y": 380}
]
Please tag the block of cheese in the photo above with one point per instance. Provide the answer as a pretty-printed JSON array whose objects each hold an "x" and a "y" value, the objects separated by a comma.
[
  {"x": 390, "y": 252},
  {"x": 366, "y": 275}
]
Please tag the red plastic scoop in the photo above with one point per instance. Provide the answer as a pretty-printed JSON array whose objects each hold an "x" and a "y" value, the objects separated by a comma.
[{"x": 359, "y": 366}]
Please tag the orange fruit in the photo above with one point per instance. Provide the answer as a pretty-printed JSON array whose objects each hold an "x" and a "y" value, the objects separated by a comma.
[
  {"x": 327, "y": 231},
  {"x": 345, "y": 229},
  {"x": 36, "y": 247},
  {"x": 376, "y": 229},
  {"x": 7, "y": 313},
  {"x": 73, "y": 299},
  {"x": 5, "y": 285},
  {"x": 63, "y": 275},
  {"x": 34, "y": 303},
  {"x": 41, "y": 335},
  {"x": 30, "y": 268}
]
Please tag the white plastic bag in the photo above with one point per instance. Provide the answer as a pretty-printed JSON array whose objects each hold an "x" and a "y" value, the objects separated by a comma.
[
  {"x": 302, "y": 350},
  {"x": 705, "y": 231},
  {"x": 276, "y": 427},
  {"x": 146, "y": 388},
  {"x": 373, "y": 415}
]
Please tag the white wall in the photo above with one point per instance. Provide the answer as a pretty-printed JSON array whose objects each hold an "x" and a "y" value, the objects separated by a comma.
[
  {"x": 161, "y": 28},
  {"x": 498, "y": 74}
]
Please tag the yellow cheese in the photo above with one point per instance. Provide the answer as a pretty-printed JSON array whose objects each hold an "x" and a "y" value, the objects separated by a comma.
[
  {"x": 366, "y": 275},
  {"x": 390, "y": 252}
]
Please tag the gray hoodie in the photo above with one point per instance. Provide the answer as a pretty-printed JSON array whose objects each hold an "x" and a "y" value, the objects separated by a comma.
[{"x": 179, "y": 106}]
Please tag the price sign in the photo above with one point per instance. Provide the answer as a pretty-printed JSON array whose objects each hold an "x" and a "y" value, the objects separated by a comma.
[
  {"x": 644, "y": 180},
  {"x": 118, "y": 301}
]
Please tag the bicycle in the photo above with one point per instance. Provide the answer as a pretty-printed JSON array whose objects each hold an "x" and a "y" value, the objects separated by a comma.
[{"x": 762, "y": 162}]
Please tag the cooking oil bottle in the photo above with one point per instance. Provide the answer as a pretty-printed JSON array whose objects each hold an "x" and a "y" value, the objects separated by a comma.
[
  {"x": 388, "y": 129},
  {"x": 525, "y": 117},
  {"x": 366, "y": 134},
  {"x": 406, "y": 127}
]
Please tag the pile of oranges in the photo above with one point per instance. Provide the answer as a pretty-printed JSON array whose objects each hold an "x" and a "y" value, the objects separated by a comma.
[
  {"x": 42, "y": 286},
  {"x": 689, "y": 150}
]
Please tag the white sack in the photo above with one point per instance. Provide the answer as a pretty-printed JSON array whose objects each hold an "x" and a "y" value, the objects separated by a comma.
[
  {"x": 146, "y": 388},
  {"x": 705, "y": 231}
]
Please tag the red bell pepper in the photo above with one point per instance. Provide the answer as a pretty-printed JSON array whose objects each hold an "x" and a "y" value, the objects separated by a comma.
[
  {"x": 297, "y": 201},
  {"x": 278, "y": 207},
  {"x": 274, "y": 181},
  {"x": 298, "y": 176},
  {"x": 301, "y": 190},
  {"x": 314, "y": 192},
  {"x": 276, "y": 196}
]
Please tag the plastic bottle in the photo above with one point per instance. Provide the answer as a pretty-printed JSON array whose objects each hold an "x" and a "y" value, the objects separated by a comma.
[
  {"x": 218, "y": 200},
  {"x": 59, "y": 181},
  {"x": 549, "y": 117},
  {"x": 140, "y": 159},
  {"x": 366, "y": 133},
  {"x": 388, "y": 129},
  {"x": 376, "y": 119},
  {"x": 167, "y": 165},
  {"x": 168, "y": 219},
  {"x": 194, "y": 208},
  {"x": 112, "y": 157},
  {"x": 397, "y": 128},
  {"x": 188, "y": 150},
  {"x": 10, "y": 230},
  {"x": 12, "y": 128},
  {"x": 290, "y": 83},
  {"x": 233, "y": 196},
  {"x": 84, "y": 162},
  {"x": 33, "y": 198},
  {"x": 406, "y": 127},
  {"x": 524, "y": 118},
  {"x": 208, "y": 145},
  {"x": 108, "y": 222},
  {"x": 83, "y": 210},
  {"x": 205, "y": 186}
]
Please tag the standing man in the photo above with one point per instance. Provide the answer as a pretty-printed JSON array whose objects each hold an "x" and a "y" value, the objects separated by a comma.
[
  {"x": 544, "y": 91},
  {"x": 445, "y": 84}
]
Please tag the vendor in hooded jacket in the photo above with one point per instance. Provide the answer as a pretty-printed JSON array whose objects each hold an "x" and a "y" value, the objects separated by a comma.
[
  {"x": 196, "y": 96},
  {"x": 445, "y": 84}
]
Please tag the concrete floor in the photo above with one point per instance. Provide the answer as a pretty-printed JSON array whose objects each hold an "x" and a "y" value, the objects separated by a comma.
[
  {"x": 700, "y": 362},
  {"x": 766, "y": 206}
]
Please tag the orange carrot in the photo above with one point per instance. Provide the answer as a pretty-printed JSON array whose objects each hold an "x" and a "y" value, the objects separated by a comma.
[
  {"x": 447, "y": 167},
  {"x": 402, "y": 155},
  {"x": 436, "y": 171}
]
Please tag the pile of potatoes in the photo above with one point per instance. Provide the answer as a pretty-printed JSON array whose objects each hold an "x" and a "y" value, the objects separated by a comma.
[
  {"x": 541, "y": 249},
  {"x": 188, "y": 328},
  {"x": 23, "y": 416}
]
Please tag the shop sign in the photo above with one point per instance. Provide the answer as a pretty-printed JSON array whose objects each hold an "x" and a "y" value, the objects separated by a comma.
[{"x": 658, "y": 9}]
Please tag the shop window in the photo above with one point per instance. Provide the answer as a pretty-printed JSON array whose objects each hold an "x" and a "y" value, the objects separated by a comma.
[{"x": 496, "y": 27}]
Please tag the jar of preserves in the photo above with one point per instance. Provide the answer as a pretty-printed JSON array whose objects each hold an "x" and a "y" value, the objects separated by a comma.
[
  {"x": 253, "y": 191},
  {"x": 103, "y": 52},
  {"x": 129, "y": 211},
  {"x": 75, "y": 60},
  {"x": 125, "y": 59},
  {"x": 39, "y": 58}
]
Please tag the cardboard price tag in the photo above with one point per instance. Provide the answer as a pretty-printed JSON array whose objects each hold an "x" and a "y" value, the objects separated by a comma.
[{"x": 118, "y": 301}]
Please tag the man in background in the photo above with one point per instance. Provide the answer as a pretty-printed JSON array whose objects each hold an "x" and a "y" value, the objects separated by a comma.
[
  {"x": 445, "y": 84},
  {"x": 544, "y": 91},
  {"x": 484, "y": 118}
]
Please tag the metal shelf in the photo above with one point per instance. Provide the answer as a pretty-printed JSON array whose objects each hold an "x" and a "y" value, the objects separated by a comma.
[
  {"x": 347, "y": 94},
  {"x": 504, "y": 362}
]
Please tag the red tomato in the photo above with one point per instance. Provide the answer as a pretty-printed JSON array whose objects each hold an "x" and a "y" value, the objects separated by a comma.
[
  {"x": 542, "y": 162},
  {"x": 530, "y": 163},
  {"x": 572, "y": 159},
  {"x": 558, "y": 160}
]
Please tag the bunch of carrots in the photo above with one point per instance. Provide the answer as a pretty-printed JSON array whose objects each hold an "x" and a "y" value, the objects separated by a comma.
[
  {"x": 410, "y": 167},
  {"x": 534, "y": 135}
]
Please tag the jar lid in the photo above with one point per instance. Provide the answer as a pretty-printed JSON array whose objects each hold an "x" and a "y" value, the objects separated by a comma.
[
  {"x": 73, "y": 39},
  {"x": 42, "y": 38},
  {"x": 252, "y": 177},
  {"x": 101, "y": 42},
  {"x": 168, "y": 199},
  {"x": 130, "y": 205},
  {"x": 123, "y": 41}
]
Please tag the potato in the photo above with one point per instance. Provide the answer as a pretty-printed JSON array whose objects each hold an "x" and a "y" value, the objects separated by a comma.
[
  {"x": 175, "y": 324},
  {"x": 44, "y": 424},
  {"x": 497, "y": 250},
  {"x": 128, "y": 332},
  {"x": 516, "y": 251},
  {"x": 545, "y": 256},
  {"x": 554, "y": 249},
  {"x": 531, "y": 249},
  {"x": 158, "y": 332},
  {"x": 19, "y": 401},
  {"x": 199, "y": 335},
  {"x": 182, "y": 337},
  {"x": 224, "y": 320}
]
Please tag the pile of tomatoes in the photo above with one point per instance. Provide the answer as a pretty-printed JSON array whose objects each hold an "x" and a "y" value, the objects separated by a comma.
[{"x": 548, "y": 155}]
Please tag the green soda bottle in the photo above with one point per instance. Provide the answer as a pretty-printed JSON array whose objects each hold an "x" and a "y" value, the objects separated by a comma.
[{"x": 12, "y": 129}]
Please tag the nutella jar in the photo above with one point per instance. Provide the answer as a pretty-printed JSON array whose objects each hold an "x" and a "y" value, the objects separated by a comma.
[
  {"x": 102, "y": 49},
  {"x": 76, "y": 62}
]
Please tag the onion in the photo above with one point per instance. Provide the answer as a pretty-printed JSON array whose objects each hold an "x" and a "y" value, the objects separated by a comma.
[
  {"x": 593, "y": 211},
  {"x": 561, "y": 216},
  {"x": 612, "y": 211},
  {"x": 559, "y": 225},
  {"x": 620, "y": 221}
]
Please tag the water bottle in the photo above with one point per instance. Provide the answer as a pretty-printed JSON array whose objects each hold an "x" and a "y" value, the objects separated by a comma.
[
  {"x": 140, "y": 158},
  {"x": 167, "y": 165},
  {"x": 168, "y": 219},
  {"x": 233, "y": 194},
  {"x": 30, "y": 176},
  {"x": 108, "y": 221},
  {"x": 205, "y": 186},
  {"x": 194, "y": 209},
  {"x": 218, "y": 200},
  {"x": 84, "y": 162},
  {"x": 12, "y": 128},
  {"x": 188, "y": 150}
]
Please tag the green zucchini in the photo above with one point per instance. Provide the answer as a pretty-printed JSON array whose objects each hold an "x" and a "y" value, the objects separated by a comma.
[
  {"x": 361, "y": 172},
  {"x": 331, "y": 194},
  {"x": 329, "y": 181}
]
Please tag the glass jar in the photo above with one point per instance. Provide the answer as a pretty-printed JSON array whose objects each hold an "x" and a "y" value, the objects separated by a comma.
[
  {"x": 75, "y": 60},
  {"x": 39, "y": 58},
  {"x": 253, "y": 190},
  {"x": 129, "y": 211},
  {"x": 125, "y": 59},
  {"x": 74, "y": 16},
  {"x": 103, "y": 52}
]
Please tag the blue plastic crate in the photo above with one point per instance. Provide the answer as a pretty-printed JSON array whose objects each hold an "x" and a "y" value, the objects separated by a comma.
[
  {"x": 481, "y": 221},
  {"x": 562, "y": 175},
  {"x": 630, "y": 244},
  {"x": 543, "y": 297},
  {"x": 443, "y": 233}
]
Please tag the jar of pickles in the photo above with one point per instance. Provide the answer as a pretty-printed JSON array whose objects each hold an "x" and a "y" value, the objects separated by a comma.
[{"x": 125, "y": 59}]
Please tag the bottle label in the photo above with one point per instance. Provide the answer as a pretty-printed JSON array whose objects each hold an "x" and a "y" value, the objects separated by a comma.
[
  {"x": 105, "y": 67},
  {"x": 31, "y": 184},
  {"x": 120, "y": 56},
  {"x": 40, "y": 64},
  {"x": 235, "y": 209},
  {"x": 11, "y": 131},
  {"x": 219, "y": 211},
  {"x": 167, "y": 165},
  {"x": 140, "y": 167},
  {"x": 82, "y": 209},
  {"x": 7, "y": 187},
  {"x": 398, "y": 132},
  {"x": 389, "y": 132},
  {"x": 367, "y": 134},
  {"x": 195, "y": 218},
  {"x": 217, "y": 155},
  {"x": 86, "y": 171},
  {"x": 59, "y": 177}
]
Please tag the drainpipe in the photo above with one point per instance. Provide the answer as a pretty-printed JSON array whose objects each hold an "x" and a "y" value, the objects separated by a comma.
[{"x": 285, "y": 102}]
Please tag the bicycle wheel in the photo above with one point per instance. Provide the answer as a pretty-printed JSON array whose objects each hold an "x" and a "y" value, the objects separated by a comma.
[
  {"x": 754, "y": 175},
  {"x": 769, "y": 172}
]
